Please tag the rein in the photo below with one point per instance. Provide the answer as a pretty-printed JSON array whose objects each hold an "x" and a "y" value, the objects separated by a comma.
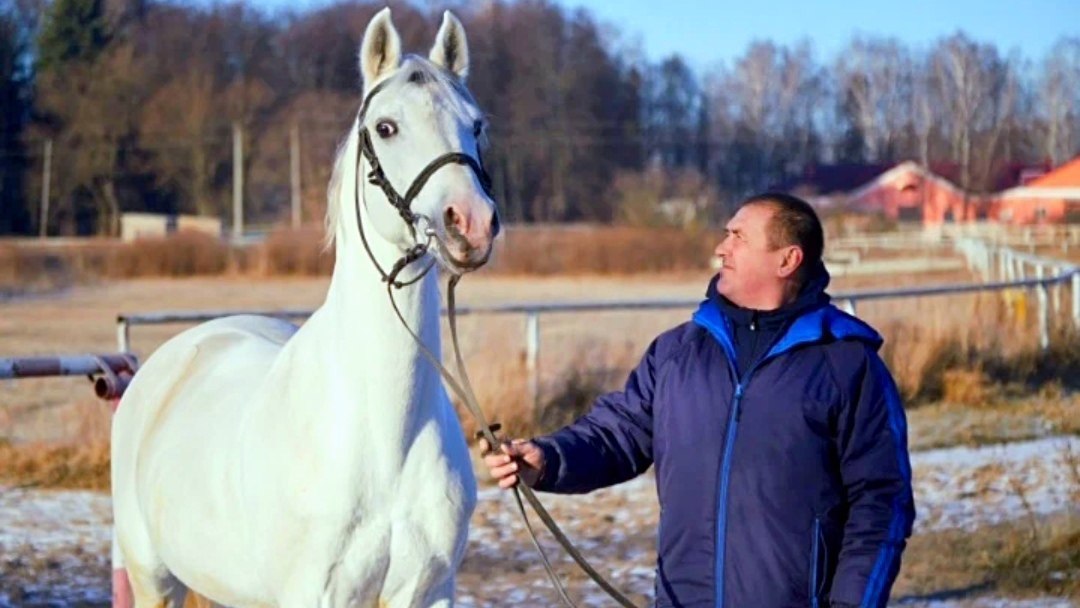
[{"x": 464, "y": 389}]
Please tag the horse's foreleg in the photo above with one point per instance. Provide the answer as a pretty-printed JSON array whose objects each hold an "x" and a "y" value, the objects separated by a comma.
[
  {"x": 122, "y": 596},
  {"x": 148, "y": 590}
]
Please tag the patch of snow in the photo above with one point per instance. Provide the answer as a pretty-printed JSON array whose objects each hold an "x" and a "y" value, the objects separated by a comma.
[
  {"x": 990, "y": 602},
  {"x": 54, "y": 546},
  {"x": 966, "y": 487}
]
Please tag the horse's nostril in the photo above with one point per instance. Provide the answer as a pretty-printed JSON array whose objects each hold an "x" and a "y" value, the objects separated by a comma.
[
  {"x": 495, "y": 225},
  {"x": 450, "y": 218}
]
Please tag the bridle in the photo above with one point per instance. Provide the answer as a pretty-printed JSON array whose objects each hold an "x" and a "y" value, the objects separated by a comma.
[
  {"x": 403, "y": 204},
  {"x": 464, "y": 390}
]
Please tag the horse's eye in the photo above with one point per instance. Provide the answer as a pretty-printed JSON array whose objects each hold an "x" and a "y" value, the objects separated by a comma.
[{"x": 386, "y": 128}]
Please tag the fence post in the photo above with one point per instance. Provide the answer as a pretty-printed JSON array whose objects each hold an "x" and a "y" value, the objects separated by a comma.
[
  {"x": 123, "y": 335},
  {"x": 532, "y": 355},
  {"x": 238, "y": 181},
  {"x": 1059, "y": 291},
  {"x": 1076, "y": 298},
  {"x": 848, "y": 305},
  {"x": 1044, "y": 313},
  {"x": 294, "y": 173},
  {"x": 46, "y": 180}
]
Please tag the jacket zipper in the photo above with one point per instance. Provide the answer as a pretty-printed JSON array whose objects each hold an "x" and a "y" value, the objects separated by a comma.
[
  {"x": 814, "y": 560},
  {"x": 725, "y": 471},
  {"x": 729, "y": 446},
  {"x": 722, "y": 499}
]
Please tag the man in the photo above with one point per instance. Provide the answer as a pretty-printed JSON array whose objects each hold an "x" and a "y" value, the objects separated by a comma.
[{"x": 778, "y": 436}]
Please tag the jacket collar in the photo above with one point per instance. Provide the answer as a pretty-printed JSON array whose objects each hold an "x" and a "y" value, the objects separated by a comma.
[{"x": 810, "y": 319}]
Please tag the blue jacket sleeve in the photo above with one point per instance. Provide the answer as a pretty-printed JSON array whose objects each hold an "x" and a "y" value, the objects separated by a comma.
[
  {"x": 611, "y": 443},
  {"x": 876, "y": 473}
]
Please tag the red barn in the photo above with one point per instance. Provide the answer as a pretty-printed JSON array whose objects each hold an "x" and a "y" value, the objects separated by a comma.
[
  {"x": 909, "y": 192},
  {"x": 1052, "y": 198}
]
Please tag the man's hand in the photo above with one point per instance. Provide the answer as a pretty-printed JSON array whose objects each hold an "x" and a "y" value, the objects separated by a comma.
[{"x": 519, "y": 460}]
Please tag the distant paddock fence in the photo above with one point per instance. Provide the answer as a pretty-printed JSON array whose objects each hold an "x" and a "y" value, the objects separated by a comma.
[
  {"x": 1001, "y": 267},
  {"x": 1049, "y": 276}
]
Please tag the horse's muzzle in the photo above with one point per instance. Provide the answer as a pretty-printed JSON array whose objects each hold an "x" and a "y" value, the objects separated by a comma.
[{"x": 470, "y": 233}]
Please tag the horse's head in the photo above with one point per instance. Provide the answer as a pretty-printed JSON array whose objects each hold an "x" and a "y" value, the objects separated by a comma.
[{"x": 421, "y": 134}]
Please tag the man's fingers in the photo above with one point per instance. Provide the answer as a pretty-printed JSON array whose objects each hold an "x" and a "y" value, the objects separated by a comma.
[
  {"x": 504, "y": 470},
  {"x": 508, "y": 482},
  {"x": 482, "y": 437},
  {"x": 494, "y": 459},
  {"x": 515, "y": 448}
]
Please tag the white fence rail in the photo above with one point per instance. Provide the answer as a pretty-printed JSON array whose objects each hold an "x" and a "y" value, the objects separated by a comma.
[
  {"x": 1049, "y": 276},
  {"x": 1001, "y": 267}
]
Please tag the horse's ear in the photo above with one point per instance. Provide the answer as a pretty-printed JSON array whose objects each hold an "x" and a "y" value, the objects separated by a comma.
[
  {"x": 380, "y": 51},
  {"x": 451, "y": 49}
]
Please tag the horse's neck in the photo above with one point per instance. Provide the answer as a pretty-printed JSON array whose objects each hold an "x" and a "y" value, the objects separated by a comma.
[
  {"x": 365, "y": 325},
  {"x": 374, "y": 371}
]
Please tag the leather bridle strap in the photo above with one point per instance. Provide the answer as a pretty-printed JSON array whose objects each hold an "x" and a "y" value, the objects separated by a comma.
[{"x": 377, "y": 177}]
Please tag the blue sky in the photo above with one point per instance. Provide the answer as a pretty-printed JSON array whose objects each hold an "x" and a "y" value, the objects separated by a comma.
[{"x": 708, "y": 31}]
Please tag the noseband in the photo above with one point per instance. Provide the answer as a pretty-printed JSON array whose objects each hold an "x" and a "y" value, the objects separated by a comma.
[{"x": 403, "y": 204}]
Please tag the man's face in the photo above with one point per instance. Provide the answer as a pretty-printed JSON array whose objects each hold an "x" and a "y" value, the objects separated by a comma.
[{"x": 750, "y": 273}]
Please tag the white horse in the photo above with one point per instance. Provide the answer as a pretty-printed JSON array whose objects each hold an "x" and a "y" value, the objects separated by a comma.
[{"x": 258, "y": 464}]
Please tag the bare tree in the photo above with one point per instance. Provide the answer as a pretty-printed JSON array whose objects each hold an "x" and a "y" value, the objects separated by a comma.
[
  {"x": 925, "y": 108},
  {"x": 767, "y": 115},
  {"x": 970, "y": 78},
  {"x": 182, "y": 124},
  {"x": 1058, "y": 91},
  {"x": 876, "y": 75}
]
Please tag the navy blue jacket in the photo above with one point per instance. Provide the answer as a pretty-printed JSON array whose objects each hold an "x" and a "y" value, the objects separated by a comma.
[{"x": 783, "y": 484}]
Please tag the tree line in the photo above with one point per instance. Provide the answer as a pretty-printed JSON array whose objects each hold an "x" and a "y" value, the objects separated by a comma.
[{"x": 136, "y": 103}]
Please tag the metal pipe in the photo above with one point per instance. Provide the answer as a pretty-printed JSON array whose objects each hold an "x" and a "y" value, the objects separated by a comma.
[{"x": 65, "y": 365}]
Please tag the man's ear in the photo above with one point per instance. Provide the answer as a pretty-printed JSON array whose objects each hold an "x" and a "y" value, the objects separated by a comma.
[{"x": 792, "y": 260}]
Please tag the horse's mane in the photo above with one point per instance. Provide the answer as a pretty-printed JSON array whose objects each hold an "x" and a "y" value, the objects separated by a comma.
[{"x": 454, "y": 97}]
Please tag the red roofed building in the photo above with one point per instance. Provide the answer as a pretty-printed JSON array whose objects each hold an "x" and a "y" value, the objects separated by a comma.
[
  {"x": 1052, "y": 198},
  {"x": 909, "y": 192}
]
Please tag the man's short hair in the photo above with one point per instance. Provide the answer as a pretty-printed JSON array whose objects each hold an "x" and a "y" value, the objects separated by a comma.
[{"x": 794, "y": 222}]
